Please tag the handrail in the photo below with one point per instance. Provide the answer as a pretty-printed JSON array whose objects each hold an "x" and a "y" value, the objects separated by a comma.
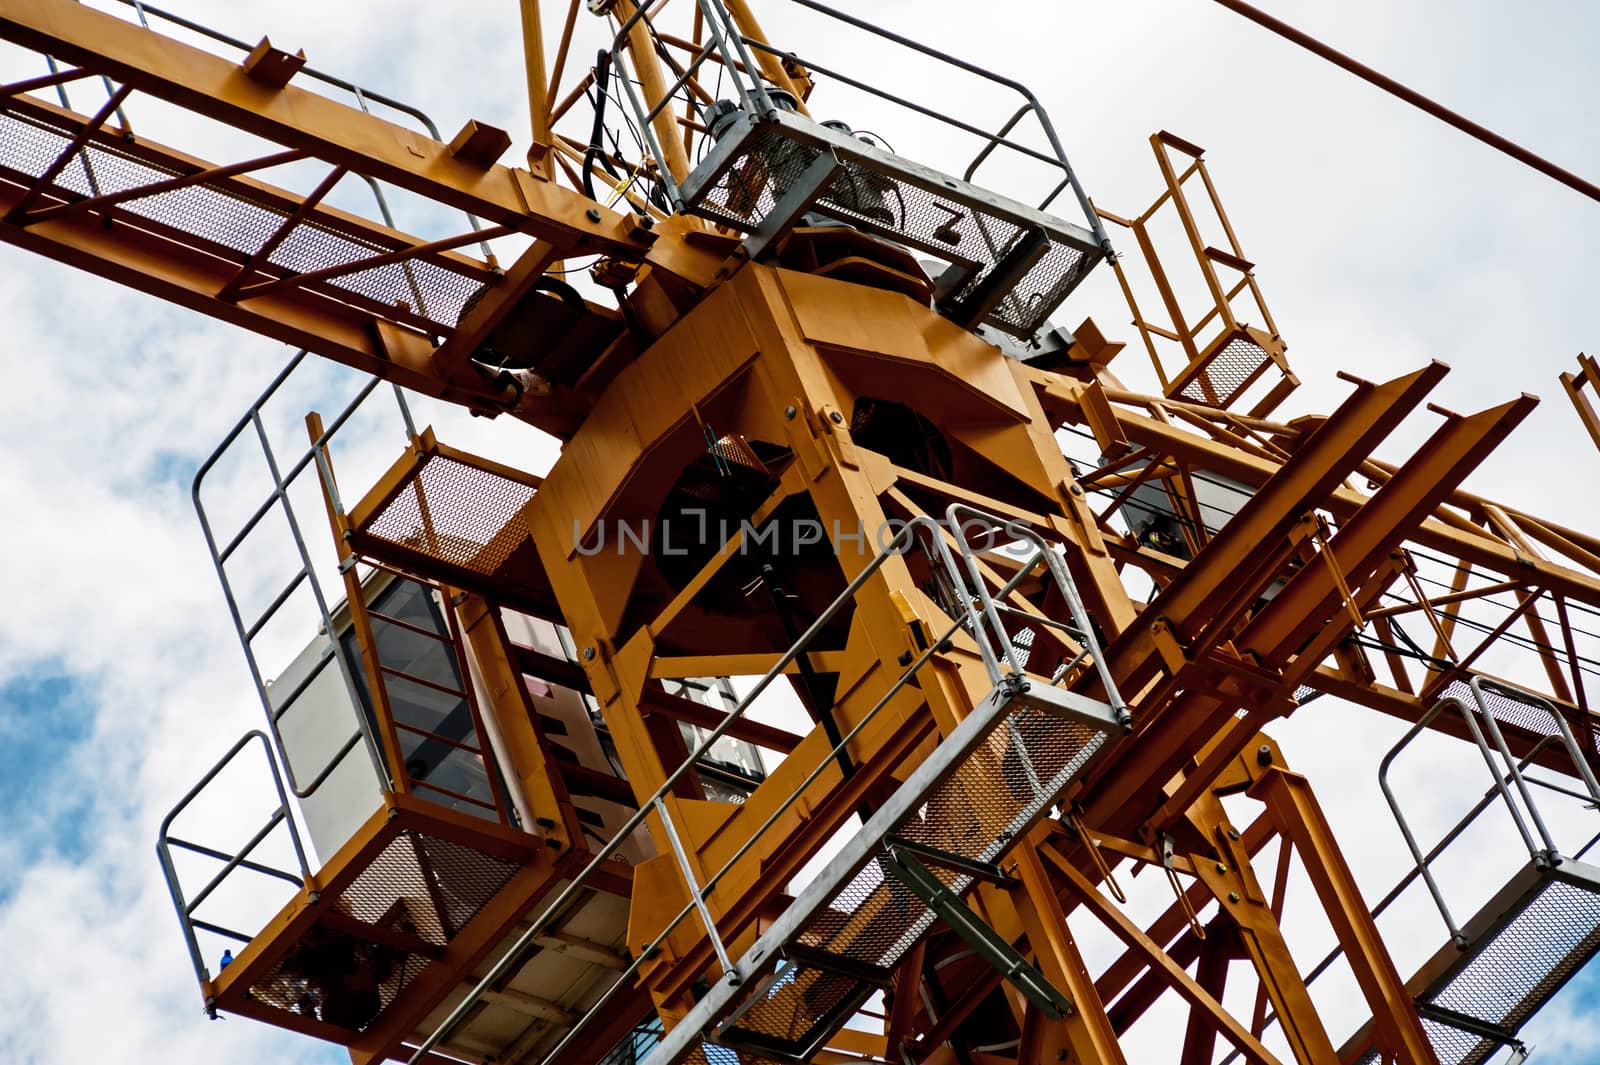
[
  {"x": 1514, "y": 774},
  {"x": 1467, "y": 715},
  {"x": 279, "y": 496},
  {"x": 735, "y": 52},
  {"x": 999, "y": 79},
  {"x": 361, "y": 94},
  {"x": 241, "y": 859},
  {"x": 1412, "y": 874},
  {"x": 514, "y": 955},
  {"x": 1053, "y": 562}
]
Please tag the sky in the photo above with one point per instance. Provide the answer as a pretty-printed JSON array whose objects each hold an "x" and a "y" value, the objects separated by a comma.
[{"x": 1382, "y": 239}]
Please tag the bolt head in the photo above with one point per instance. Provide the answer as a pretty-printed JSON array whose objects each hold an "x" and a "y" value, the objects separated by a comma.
[
  {"x": 592, "y": 214},
  {"x": 836, "y": 418},
  {"x": 1221, "y": 868},
  {"x": 588, "y": 654},
  {"x": 789, "y": 412},
  {"x": 1233, "y": 896}
]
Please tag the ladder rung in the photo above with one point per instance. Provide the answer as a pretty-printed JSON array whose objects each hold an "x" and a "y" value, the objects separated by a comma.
[
  {"x": 850, "y": 968},
  {"x": 272, "y": 608},
  {"x": 985, "y": 871},
  {"x": 400, "y": 623},
  {"x": 412, "y": 678}
]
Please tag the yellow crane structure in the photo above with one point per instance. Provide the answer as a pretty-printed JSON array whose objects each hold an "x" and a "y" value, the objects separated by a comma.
[{"x": 823, "y": 434}]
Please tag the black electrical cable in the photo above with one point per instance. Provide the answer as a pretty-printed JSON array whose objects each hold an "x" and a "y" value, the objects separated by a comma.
[{"x": 595, "y": 152}]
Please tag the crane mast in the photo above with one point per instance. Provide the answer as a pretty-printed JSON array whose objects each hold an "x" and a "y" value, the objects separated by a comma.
[{"x": 868, "y": 632}]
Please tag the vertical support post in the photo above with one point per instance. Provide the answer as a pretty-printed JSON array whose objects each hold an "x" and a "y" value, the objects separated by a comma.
[
  {"x": 540, "y": 159},
  {"x": 1200, "y": 1037},
  {"x": 1088, "y": 1030},
  {"x": 1300, "y": 820},
  {"x": 377, "y": 690},
  {"x": 642, "y": 56},
  {"x": 744, "y": 21},
  {"x": 1258, "y": 930}
]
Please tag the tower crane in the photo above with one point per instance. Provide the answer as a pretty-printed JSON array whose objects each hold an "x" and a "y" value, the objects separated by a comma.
[{"x": 867, "y": 628}]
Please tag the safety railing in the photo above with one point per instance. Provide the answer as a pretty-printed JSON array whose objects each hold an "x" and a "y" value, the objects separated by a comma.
[
  {"x": 186, "y": 904},
  {"x": 363, "y": 97},
  {"x": 982, "y": 622},
  {"x": 1009, "y": 263},
  {"x": 1513, "y": 789},
  {"x": 1511, "y": 785},
  {"x": 1222, "y": 357},
  {"x": 92, "y": 163},
  {"x": 277, "y": 705},
  {"x": 738, "y": 53},
  {"x": 998, "y": 647}
]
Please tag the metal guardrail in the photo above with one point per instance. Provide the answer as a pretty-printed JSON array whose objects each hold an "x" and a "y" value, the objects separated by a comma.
[
  {"x": 736, "y": 52},
  {"x": 281, "y": 768},
  {"x": 999, "y": 656},
  {"x": 282, "y": 477},
  {"x": 1507, "y": 782},
  {"x": 1542, "y": 850},
  {"x": 240, "y": 859},
  {"x": 363, "y": 96}
]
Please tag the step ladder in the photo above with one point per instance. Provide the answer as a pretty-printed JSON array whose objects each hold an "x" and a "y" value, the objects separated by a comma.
[
  {"x": 943, "y": 830},
  {"x": 1538, "y": 931}
]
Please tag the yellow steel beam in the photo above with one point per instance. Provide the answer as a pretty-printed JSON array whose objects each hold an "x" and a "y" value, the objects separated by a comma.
[
  {"x": 1299, "y": 818},
  {"x": 210, "y": 85}
]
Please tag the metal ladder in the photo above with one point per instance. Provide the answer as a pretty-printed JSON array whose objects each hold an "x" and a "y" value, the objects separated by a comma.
[{"x": 942, "y": 831}]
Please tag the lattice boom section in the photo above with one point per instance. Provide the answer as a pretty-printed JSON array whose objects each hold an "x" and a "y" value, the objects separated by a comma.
[
  {"x": 222, "y": 218},
  {"x": 457, "y": 513},
  {"x": 903, "y": 211},
  {"x": 418, "y": 885}
]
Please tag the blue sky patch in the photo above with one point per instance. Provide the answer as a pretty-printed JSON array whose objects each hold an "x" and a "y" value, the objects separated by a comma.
[{"x": 45, "y": 718}]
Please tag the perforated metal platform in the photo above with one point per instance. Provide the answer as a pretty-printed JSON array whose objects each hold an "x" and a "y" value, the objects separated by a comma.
[
  {"x": 1537, "y": 933},
  {"x": 457, "y": 518},
  {"x": 232, "y": 217},
  {"x": 957, "y": 814},
  {"x": 1014, "y": 263},
  {"x": 1222, "y": 374}
]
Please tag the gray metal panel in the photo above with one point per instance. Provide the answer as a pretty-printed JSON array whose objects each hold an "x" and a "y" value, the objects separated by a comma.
[{"x": 750, "y": 172}]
